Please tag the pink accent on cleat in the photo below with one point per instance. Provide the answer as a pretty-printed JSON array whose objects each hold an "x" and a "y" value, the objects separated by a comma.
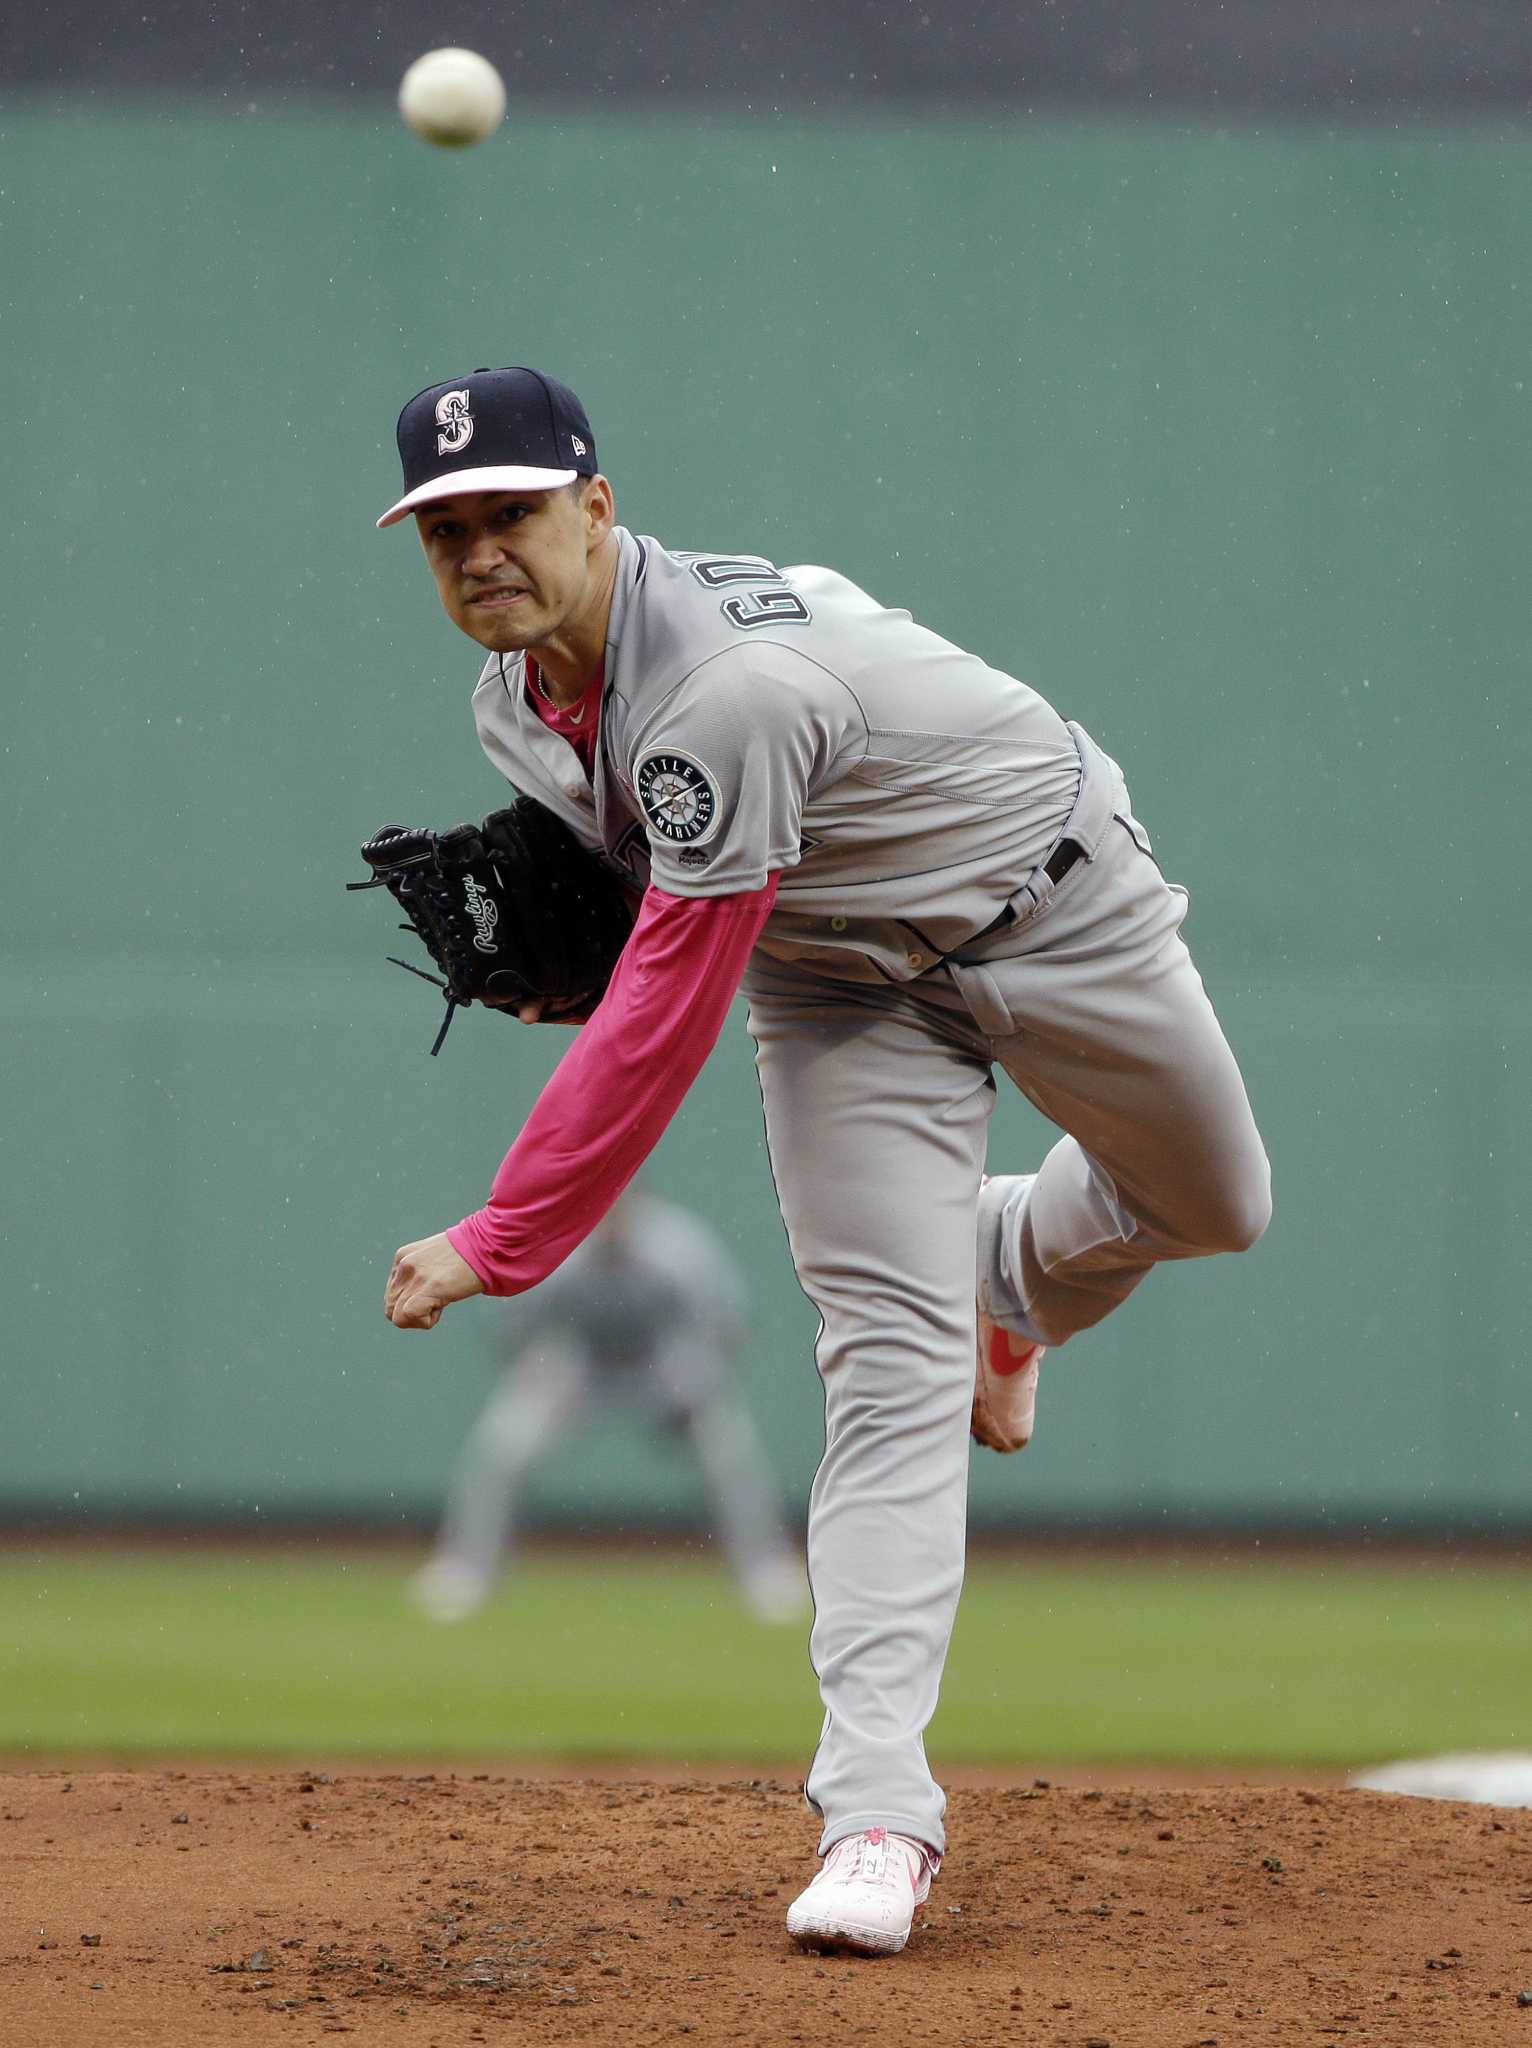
[
  {"x": 1005, "y": 1388},
  {"x": 1009, "y": 1353}
]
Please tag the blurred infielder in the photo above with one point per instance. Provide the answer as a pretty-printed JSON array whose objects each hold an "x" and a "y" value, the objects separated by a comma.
[
  {"x": 648, "y": 1312},
  {"x": 920, "y": 872}
]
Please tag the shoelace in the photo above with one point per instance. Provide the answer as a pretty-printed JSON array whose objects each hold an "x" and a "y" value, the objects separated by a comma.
[{"x": 869, "y": 1858}]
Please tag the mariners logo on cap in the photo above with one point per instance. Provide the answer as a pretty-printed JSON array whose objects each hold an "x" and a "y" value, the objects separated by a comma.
[
  {"x": 455, "y": 421},
  {"x": 679, "y": 797}
]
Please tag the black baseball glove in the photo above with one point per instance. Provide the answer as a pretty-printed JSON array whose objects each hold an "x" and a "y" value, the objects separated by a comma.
[{"x": 512, "y": 911}]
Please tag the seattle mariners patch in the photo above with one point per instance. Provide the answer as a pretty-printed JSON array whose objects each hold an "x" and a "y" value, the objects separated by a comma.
[
  {"x": 679, "y": 797},
  {"x": 456, "y": 422}
]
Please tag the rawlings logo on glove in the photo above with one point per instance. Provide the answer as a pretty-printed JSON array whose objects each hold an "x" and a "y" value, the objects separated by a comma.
[
  {"x": 512, "y": 911},
  {"x": 485, "y": 914}
]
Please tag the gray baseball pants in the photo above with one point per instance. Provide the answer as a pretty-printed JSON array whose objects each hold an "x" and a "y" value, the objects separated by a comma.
[{"x": 877, "y": 1102}]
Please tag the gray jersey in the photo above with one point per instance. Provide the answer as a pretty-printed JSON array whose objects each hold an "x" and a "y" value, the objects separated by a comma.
[{"x": 758, "y": 721}]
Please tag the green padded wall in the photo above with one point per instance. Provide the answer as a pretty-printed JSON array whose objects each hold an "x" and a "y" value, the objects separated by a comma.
[{"x": 1221, "y": 438}]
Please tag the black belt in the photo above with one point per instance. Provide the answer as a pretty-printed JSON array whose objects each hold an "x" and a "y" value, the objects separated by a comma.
[
  {"x": 1062, "y": 859},
  {"x": 1055, "y": 867}
]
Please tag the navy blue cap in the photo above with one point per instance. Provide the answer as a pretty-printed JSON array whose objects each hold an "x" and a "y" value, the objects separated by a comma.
[{"x": 492, "y": 430}]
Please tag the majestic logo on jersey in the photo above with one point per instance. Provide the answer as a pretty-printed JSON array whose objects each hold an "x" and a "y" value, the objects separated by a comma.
[
  {"x": 455, "y": 421},
  {"x": 485, "y": 912},
  {"x": 679, "y": 797}
]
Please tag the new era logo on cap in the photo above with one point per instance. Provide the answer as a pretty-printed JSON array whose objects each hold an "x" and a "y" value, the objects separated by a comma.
[{"x": 495, "y": 430}]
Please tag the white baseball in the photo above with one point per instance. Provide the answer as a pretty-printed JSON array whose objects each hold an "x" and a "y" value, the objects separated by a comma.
[{"x": 452, "y": 97}]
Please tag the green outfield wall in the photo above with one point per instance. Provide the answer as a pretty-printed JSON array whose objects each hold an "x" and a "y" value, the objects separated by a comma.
[{"x": 1219, "y": 438}]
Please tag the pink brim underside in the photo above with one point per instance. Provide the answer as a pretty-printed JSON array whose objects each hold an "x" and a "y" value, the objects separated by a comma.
[{"x": 459, "y": 483}]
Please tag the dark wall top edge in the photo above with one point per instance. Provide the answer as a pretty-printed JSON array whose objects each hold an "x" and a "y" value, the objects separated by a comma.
[
  {"x": 217, "y": 1526},
  {"x": 1159, "y": 56},
  {"x": 255, "y": 98}
]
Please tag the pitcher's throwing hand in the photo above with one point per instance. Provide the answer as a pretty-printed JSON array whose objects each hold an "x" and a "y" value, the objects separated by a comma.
[{"x": 426, "y": 1277}]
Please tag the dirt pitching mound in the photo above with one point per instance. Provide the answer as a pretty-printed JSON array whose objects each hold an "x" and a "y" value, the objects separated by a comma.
[{"x": 189, "y": 1909}]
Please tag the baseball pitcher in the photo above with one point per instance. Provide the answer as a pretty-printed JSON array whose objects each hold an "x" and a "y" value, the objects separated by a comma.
[{"x": 919, "y": 872}]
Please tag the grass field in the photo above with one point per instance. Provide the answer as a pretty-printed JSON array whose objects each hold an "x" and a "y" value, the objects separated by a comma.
[{"x": 1225, "y": 1662}]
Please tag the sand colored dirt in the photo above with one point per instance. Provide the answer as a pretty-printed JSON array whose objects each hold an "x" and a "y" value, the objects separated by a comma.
[{"x": 190, "y": 1909}]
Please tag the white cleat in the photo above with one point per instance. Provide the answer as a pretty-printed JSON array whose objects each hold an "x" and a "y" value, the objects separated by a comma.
[
  {"x": 1005, "y": 1388},
  {"x": 1005, "y": 1382},
  {"x": 864, "y": 1898}
]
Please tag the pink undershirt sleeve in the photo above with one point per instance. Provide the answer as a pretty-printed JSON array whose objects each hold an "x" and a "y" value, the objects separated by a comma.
[{"x": 608, "y": 1101}]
